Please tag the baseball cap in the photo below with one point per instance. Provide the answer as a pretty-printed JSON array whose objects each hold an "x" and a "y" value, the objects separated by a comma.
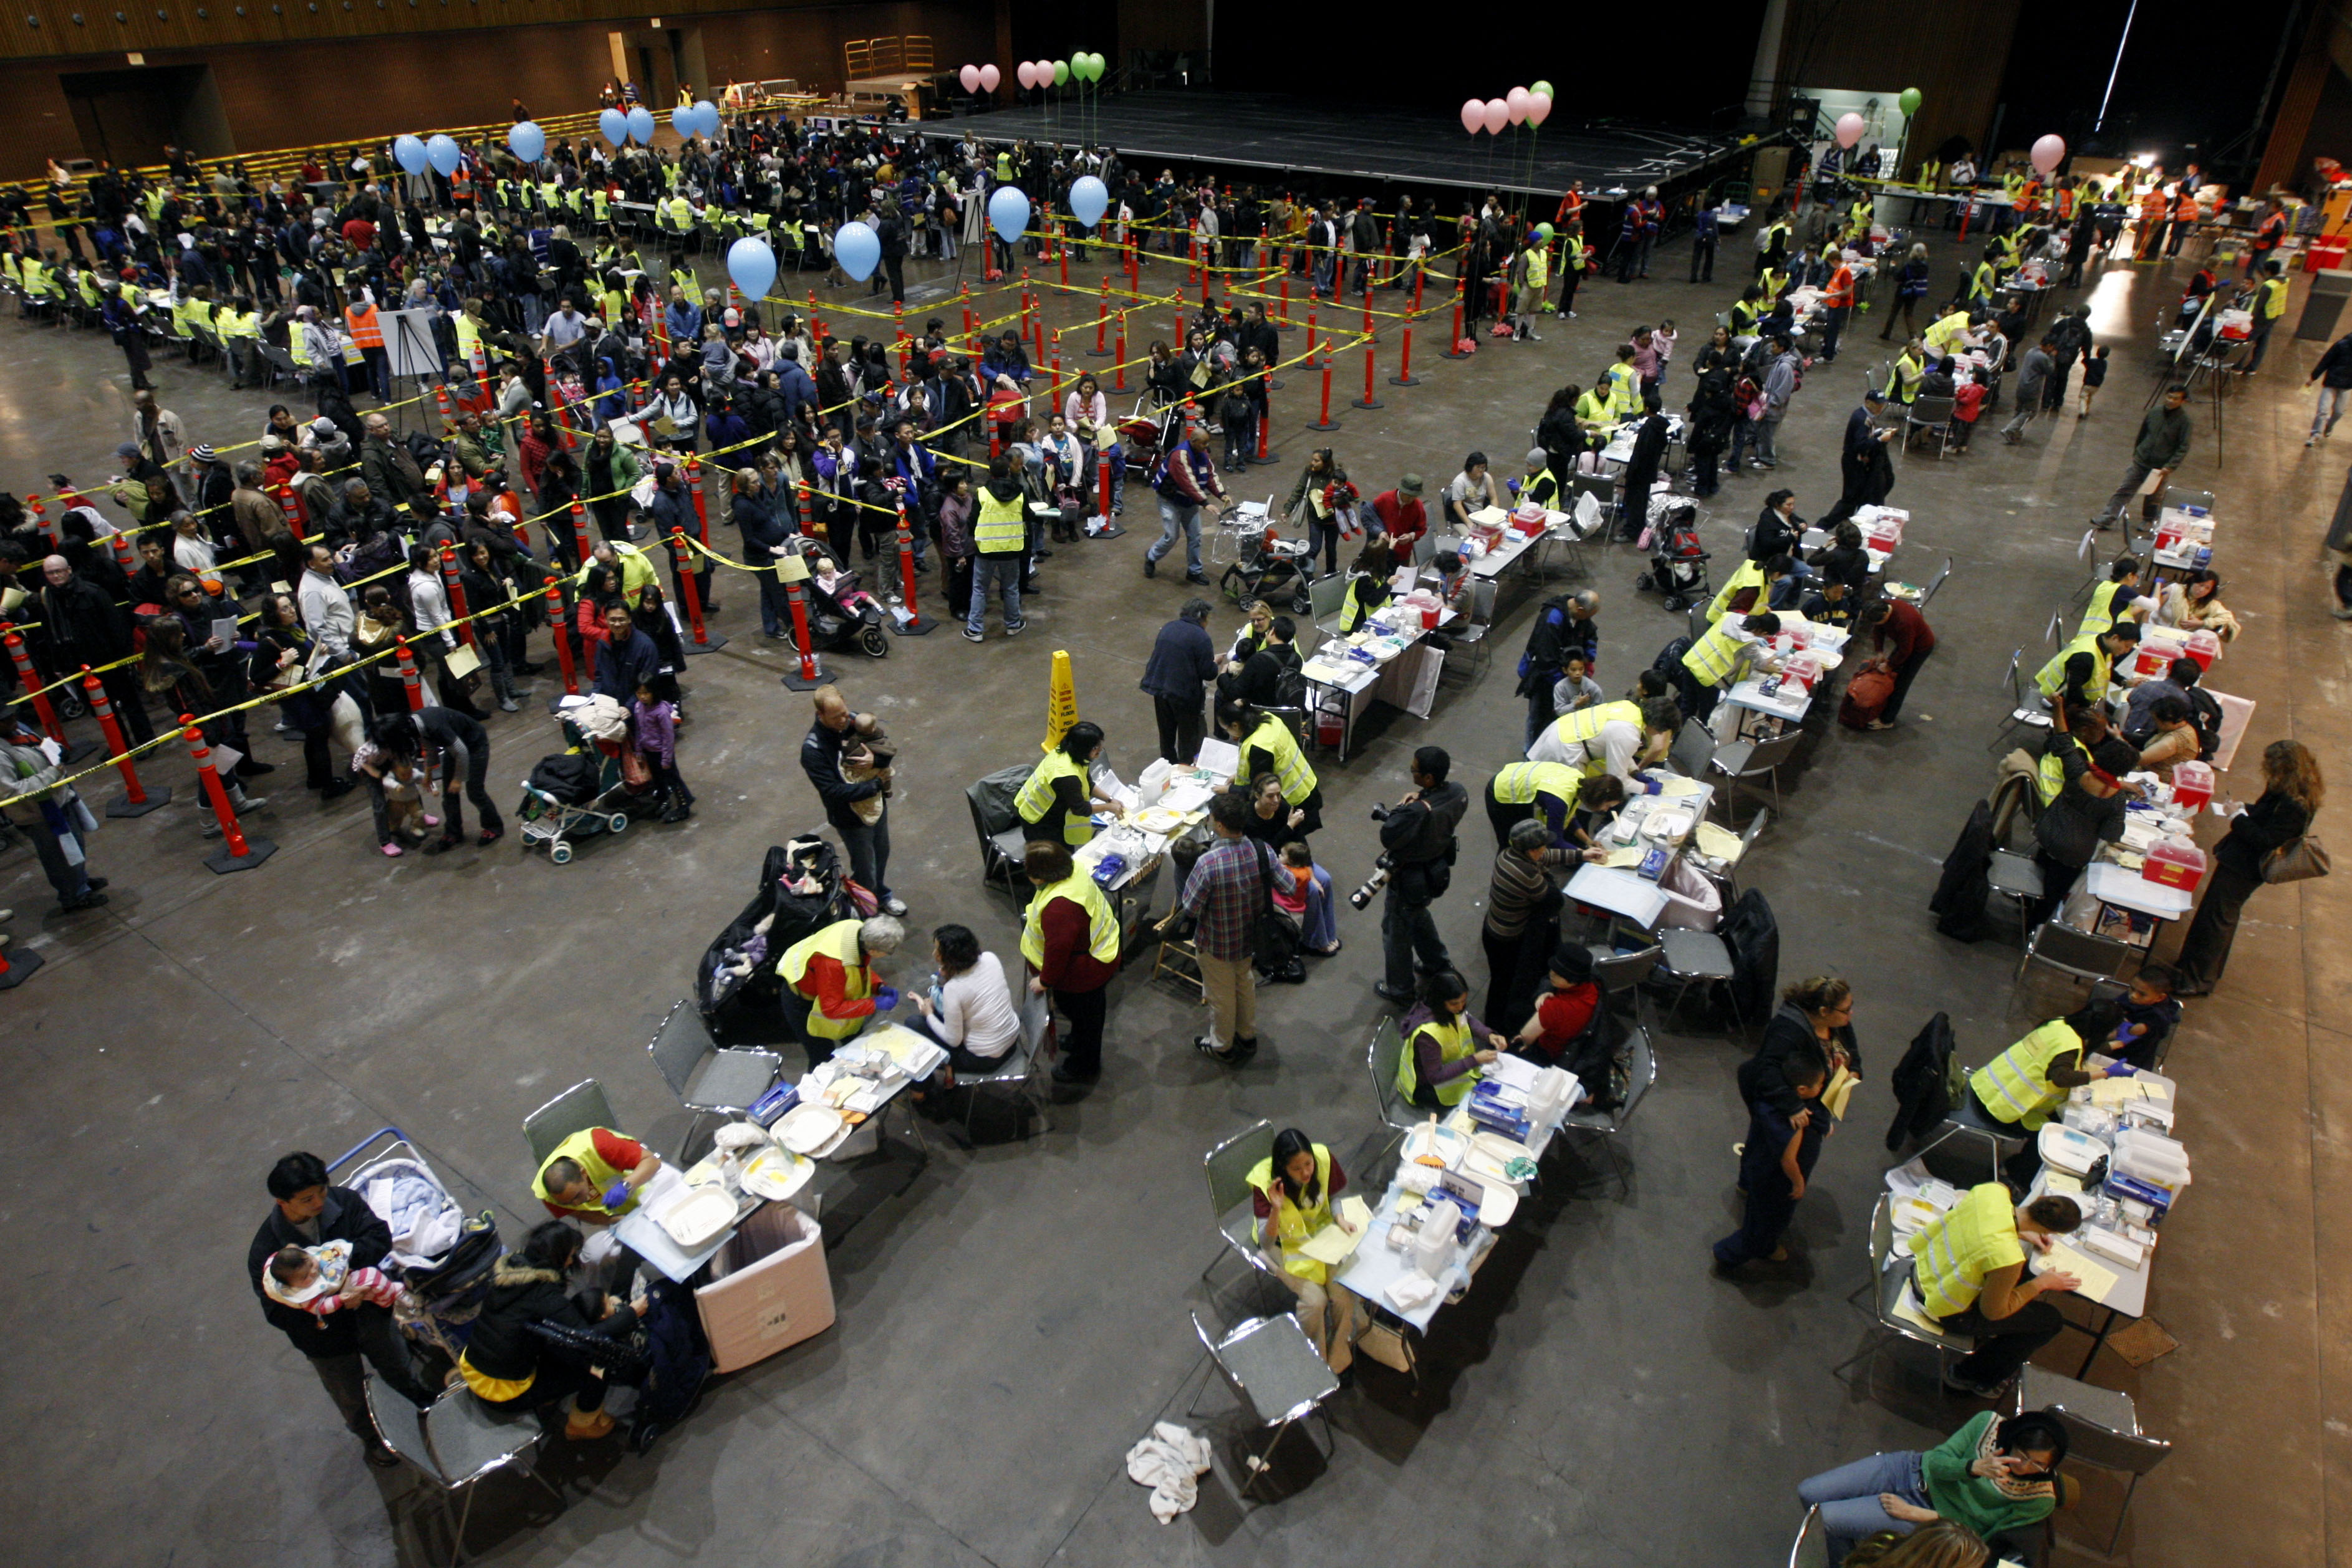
[{"x": 1409, "y": 486}]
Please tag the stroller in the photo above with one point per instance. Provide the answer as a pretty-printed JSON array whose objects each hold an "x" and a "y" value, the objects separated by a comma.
[
  {"x": 587, "y": 790},
  {"x": 665, "y": 1358},
  {"x": 442, "y": 1255},
  {"x": 847, "y": 617},
  {"x": 1269, "y": 566},
  {"x": 1677, "y": 563},
  {"x": 801, "y": 889}
]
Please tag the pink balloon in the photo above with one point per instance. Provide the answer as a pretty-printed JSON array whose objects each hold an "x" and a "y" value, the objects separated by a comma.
[
  {"x": 969, "y": 76},
  {"x": 1027, "y": 71},
  {"x": 1538, "y": 107},
  {"x": 2049, "y": 152},
  {"x": 989, "y": 77},
  {"x": 1498, "y": 115},
  {"x": 1473, "y": 117},
  {"x": 1517, "y": 100},
  {"x": 1850, "y": 128}
]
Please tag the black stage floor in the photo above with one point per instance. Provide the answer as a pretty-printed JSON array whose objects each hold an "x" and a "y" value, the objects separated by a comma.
[{"x": 1298, "y": 137}]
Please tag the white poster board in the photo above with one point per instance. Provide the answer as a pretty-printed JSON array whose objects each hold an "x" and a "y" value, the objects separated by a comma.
[{"x": 408, "y": 343}]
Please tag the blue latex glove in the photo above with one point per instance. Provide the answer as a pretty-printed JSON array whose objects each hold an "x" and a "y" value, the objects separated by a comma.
[
  {"x": 885, "y": 999},
  {"x": 616, "y": 1194},
  {"x": 1651, "y": 785},
  {"x": 2120, "y": 1070}
]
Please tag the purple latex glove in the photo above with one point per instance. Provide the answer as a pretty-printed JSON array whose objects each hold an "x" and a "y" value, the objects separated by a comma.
[
  {"x": 616, "y": 1194},
  {"x": 2120, "y": 1070},
  {"x": 884, "y": 998}
]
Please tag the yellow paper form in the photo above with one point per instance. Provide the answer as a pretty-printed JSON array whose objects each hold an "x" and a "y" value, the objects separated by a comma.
[
  {"x": 1838, "y": 1092},
  {"x": 1332, "y": 1245},
  {"x": 1675, "y": 784},
  {"x": 2096, "y": 1278},
  {"x": 1629, "y": 856},
  {"x": 2124, "y": 1090},
  {"x": 1718, "y": 843}
]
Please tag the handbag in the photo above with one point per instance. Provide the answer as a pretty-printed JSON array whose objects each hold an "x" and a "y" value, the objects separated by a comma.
[{"x": 2298, "y": 860}]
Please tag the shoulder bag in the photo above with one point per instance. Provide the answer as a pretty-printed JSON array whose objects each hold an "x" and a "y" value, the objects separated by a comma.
[{"x": 2298, "y": 860}]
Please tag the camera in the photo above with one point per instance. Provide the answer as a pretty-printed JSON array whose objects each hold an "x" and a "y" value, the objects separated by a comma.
[
  {"x": 1381, "y": 813},
  {"x": 1362, "y": 896}
]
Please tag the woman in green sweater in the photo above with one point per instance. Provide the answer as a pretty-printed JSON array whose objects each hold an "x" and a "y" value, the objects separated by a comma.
[{"x": 1990, "y": 1476}]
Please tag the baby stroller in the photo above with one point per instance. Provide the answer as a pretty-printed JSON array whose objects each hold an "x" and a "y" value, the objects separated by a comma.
[
  {"x": 1678, "y": 564},
  {"x": 849, "y": 617},
  {"x": 1270, "y": 565},
  {"x": 801, "y": 889},
  {"x": 442, "y": 1255},
  {"x": 584, "y": 790}
]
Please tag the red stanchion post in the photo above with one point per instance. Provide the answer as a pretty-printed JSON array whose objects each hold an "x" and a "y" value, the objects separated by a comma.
[
  {"x": 134, "y": 802},
  {"x": 1119, "y": 357},
  {"x": 580, "y": 533},
  {"x": 1371, "y": 399},
  {"x": 916, "y": 623},
  {"x": 1265, "y": 426},
  {"x": 1310, "y": 334},
  {"x": 29, "y": 680},
  {"x": 237, "y": 853},
  {"x": 1102, "y": 321},
  {"x": 1404, "y": 376},
  {"x": 456, "y": 592},
  {"x": 1453, "y": 349},
  {"x": 411, "y": 682},
  {"x": 562, "y": 640},
  {"x": 1282, "y": 322},
  {"x": 1102, "y": 491},
  {"x": 1325, "y": 422},
  {"x": 807, "y": 511},
  {"x": 681, "y": 562},
  {"x": 122, "y": 556},
  {"x": 811, "y": 673}
]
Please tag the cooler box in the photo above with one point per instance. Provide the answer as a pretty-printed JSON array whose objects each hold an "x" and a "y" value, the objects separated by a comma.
[
  {"x": 2192, "y": 784},
  {"x": 2175, "y": 863},
  {"x": 770, "y": 1289}
]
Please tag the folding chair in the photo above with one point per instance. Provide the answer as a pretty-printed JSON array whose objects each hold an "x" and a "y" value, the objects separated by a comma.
[
  {"x": 707, "y": 1079},
  {"x": 1000, "y": 851},
  {"x": 1928, "y": 593},
  {"x": 2015, "y": 877},
  {"x": 2101, "y": 1431},
  {"x": 1181, "y": 961},
  {"x": 1018, "y": 1069},
  {"x": 1812, "y": 1549},
  {"x": 1325, "y": 595},
  {"x": 1747, "y": 837},
  {"x": 575, "y": 1110},
  {"x": 1604, "y": 1126},
  {"x": 1227, "y": 1168},
  {"x": 1273, "y": 1370},
  {"x": 2022, "y": 713},
  {"x": 1382, "y": 1059},
  {"x": 1698, "y": 959},
  {"x": 2087, "y": 552},
  {"x": 1932, "y": 415},
  {"x": 1890, "y": 1279},
  {"x": 1967, "y": 1119},
  {"x": 453, "y": 1445},
  {"x": 1742, "y": 759}
]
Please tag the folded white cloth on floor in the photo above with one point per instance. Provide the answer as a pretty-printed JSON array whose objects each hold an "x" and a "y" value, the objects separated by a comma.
[{"x": 1168, "y": 1461}]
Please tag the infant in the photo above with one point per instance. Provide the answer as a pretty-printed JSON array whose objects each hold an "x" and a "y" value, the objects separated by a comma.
[
  {"x": 868, "y": 757},
  {"x": 321, "y": 1280}
]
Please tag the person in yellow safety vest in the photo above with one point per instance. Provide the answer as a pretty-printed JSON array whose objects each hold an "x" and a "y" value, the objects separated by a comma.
[
  {"x": 1757, "y": 575},
  {"x": 86, "y": 285},
  {"x": 576, "y": 199},
  {"x": 1551, "y": 792},
  {"x": 1981, "y": 281},
  {"x": 1969, "y": 1271},
  {"x": 1746, "y": 311},
  {"x": 683, "y": 276},
  {"x": 681, "y": 212},
  {"x": 1624, "y": 384},
  {"x": 830, "y": 984},
  {"x": 1003, "y": 165},
  {"x": 1534, "y": 279},
  {"x": 1904, "y": 376},
  {"x": 1291, "y": 1197},
  {"x": 1070, "y": 944},
  {"x": 1593, "y": 408},
  {"x": 1718, "y": 659},
  {"x": 1058, "y": 800},
  {"x": 1946, "y": 335},
  {"x": 2111, "y": 601},
  {"x": 470, "y": 340},
  {"x": 2079, "y": 672},
  {"x": 1443, "y": 1056},
  {"x": 240, "y": 332},
  {"x": 601, "y": 199},
  {"x": 2268, "y": 305},
  {"x": 1772, "y": 283},
  {"x": 2022, "y": 1087},
  {"x": 1617, "y": 738},
  {"x": 2067, "y": 749},
  {"x": 594, "y": 1176}
]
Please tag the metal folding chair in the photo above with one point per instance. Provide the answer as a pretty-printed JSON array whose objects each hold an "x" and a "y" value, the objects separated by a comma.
[
  {"x": 1381, "y": 1058},
  {"x": 575, "y": 1110},
  {"x": 1928, "y": 593},
  {"x": 1967, "y": 1119},
  {"x": 1273, "y": 1370},
  {"x": 1227, "y": 1168},
  {"x": 1018, "y": 1072},
  {"x": 1747, "y": 837},
  {"x": 1739, "y": 760},
  {"x": 453, "y": 1444},
  {"x": 2077, "y": 954},
  {"x": 2022, "y": 713},
  {"x": 1890, "y": 1279},
  {"x": 708, "y": 1080},
  {"x": 2101, "y": 1431},
  {"x": 1812, "y": 1549}
]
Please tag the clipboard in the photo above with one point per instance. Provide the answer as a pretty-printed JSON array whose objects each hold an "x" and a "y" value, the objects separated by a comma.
[{"x": 461, "y": 661}]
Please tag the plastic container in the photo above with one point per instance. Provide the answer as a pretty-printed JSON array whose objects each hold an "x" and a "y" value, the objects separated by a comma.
[
  {"x": 2202, "y": 646},
  {"x": 2192, "y": 784},
  {"x": 2151, "y": 1158},
  {"x": 2174, "y": 862},
  {"x": 770, "y": 1290}
]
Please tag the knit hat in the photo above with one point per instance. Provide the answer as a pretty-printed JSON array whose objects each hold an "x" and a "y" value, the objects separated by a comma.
[
  {"x": 201, "y": 452},
  {"x": 325, "y": 428},
  {"x": 1537, "y": 457},
  {"x": 127, "y": 452},
  {"x": 1409, "y": 486}
]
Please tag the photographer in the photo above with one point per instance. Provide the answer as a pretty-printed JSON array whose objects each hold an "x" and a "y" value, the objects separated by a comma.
[{"x": 1417, "y": 848}]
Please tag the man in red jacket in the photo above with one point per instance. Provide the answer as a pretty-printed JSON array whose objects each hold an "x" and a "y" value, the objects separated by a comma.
[
  {"x": 1900, "y": 641},
  {"x": 1401, "y": 515}
]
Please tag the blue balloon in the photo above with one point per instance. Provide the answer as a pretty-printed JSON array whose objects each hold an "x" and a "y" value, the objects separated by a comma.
[
  {"x": 614, "y": 126},
  {"x": 527, "y": 141},
  {"x": 706, "y": 115},
  {"x": 1008, "y": 213},
  {"x": 409, "y": 153},
  {"x": 684, "y": 121},
  {"x": 752, "y": 266},
  {"x": 443, "y": 154},
  {"x": 1089, "y": 199},
  {"x": 857, "y": 249},
  {"x": 641, "y": 124}
]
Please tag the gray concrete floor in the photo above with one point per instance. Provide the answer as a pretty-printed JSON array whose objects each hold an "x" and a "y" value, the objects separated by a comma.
[{"x": 1013, "y": 1317}]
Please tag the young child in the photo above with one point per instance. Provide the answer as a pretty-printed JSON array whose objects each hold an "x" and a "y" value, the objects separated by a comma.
[
  {"x": 1576, "y": 688},
  {"x": 867, "y": 755},
  {"x": 321, "y": 1280},
  {"x": 840, "y": 586},
  {"x": 1777, "y": 1158},
  {"x": 1967, "y": 398},
  {"x": 395, "y": 779},
  {"x": 2095, "y": 376},
  {"x": 2150, "y": 1014},
  {"x": 1308, "y": 900},
  {"x": 653, "y": 722}
]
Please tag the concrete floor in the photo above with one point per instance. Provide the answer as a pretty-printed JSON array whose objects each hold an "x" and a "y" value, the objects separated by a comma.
[{"x": 1013, "y": 1317}]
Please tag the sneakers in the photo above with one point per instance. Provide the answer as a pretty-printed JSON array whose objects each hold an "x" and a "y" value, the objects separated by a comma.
[
  {"x": 1243, "y": 1048},
  {"x": 894, "y": 905},
  {"x": 1388, "y": 993},
  {"x": 971, "y": 636},
  {"x": 1955, "y": 1383},
  {"x": 1150, "y": 567},
  {"x": 90, "y": 900},
  {"x": 1199, "y": 578},
  {"x": 1014, "y": 628},
  {"x": 508, "y": 704}
]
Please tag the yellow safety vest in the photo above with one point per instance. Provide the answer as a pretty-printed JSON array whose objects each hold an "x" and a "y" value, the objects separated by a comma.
[
  {"x": 8, "y": 263},
  {"x": 2109, "y": 602},
  {"x": 2052, "y": 678},
  {"x": 89, "y": 288},
  {"x": 838, "y": 942},
  {"x": 469, "y": 341},
  {"x": 1351, "y": 607},
  {"x": 1521, "y": 782},
  {"x": 1944, "y": 333},
  {"x": 1981, "y": 281},
  {"x": 1954, "y": 1254},
  {"x": 1102, "y": 922},
  {"x": 2050, "y": 774},
  {"x": 1290, "y": 765},
  {"x": 1592, "y": 407},
  {"x": 681, "y": 212},
  {"x": 1585, "y": 725},
  {"x": 1454, "y": 1041},
  {"x": 2272, "y": 303},
  {"x": 1749, "y": 575},
  {"x": 1003, "y": 526},
  {"x": 1713, "y": 656},
  {"x": 580, "y": 1149},
  {"x": 1293, "y": 1225},
  {"x": 1037, "y": 797},
  {"x": 297, "y": 349},
  {"x": 1538, "y": 267},
  {"x": 236, "y": 323},
  {"x": 2015, "y": 1085},
  {"x": 1625, "y": 389},
  {"x": 603, "y": 199}
]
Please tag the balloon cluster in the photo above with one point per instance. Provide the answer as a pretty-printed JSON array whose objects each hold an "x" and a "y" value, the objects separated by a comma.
[
  {"x": 1529, "y": 105},
  {"x": 694, "y": 120},
  {"x": 1079, "y": 67},
  {"x": 438, "y": 153},
  {"x": 979, "y": 78},
  {"x": 619, "y": 129}
]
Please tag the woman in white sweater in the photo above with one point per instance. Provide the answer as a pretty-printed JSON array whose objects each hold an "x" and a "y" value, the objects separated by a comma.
[{"x": 968, "y": 1008}]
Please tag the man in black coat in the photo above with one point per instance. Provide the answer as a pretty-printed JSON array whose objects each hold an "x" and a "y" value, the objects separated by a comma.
[
  {"x": 1182, "y": 663},
  {"x": 307, "y": 1212},
  {"x": 1863, "y": 464},
  {"x": 84, "y": 626}
]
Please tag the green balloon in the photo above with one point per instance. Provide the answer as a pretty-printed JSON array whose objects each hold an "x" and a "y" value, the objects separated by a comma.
[
  {"x": 1095, "y": 65},
  {"x": 1082, "y": 66},
  {"x": 1543, "y": 231},
  {"x": 1910, "y": 101},
  {"x": 1061, "y": 73},
  {"x": 1544, "y": 87}
]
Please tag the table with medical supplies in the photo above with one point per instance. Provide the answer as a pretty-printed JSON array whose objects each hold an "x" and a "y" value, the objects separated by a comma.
[
  {"x": 1670, "y": 825},
  {"x": 1808, "y": 652},
  {"x": 1390, "y": 659}
]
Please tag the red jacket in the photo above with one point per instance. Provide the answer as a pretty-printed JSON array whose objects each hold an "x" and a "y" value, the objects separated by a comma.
[
  {"x": 1908, "y": 632},
  {"x": 1404, "y": 520}
]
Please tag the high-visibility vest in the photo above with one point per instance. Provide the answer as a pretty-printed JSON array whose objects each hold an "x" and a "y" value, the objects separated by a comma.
[
  {"x": 8, "y": 264},
  {"x": 1002, "y": 527},
  {"x": 681, "y": 212},
  {"x": 1772, "y": 283},
  {"x": 1538, "y": 267},
  {"x": 1928, "y": 170},
  {"x": 580, "y": 1148},
  {"x": 1102, "y": 922},
  {"x": 1004, "y": 168},
  {"x": 838, "y": 942},
  {"x": 2109, "y": 602},
  {"x": 2015, "y": 1086},
  {"x": 469, "y": 341},
  {"x": 551, "y": 195},
  {"x": 1712, "y": 658},
  {"x": 1521, "y": 782},
  {"x": 603, "y": 199},
  {"x": 89, "y": 288},
  {"x": 2065, "y": 203},
  {"x": 200, "y": 311},
  {"x": 364, "y": 330},
  {"x": 1625, "y": 389},
  {"x": 1273, "y": 737},
  {"x": 298, "y": 347},
  {"x": 2269, "y": 303},
  {"x": 1951, "y": 1256},
  {"x": 1749, "y": 575},
  {"x": 1037, "y": 797},
  {"x": 1352, "y": 609},
  {"x": 2050, "y": 773},
  {"x": 1981, "y": 281},
  {"x": 1592, "y": 407},
  {"x": 2052, "y": 678},
  {"x": 236, "y": 323},
  {"x": 1291, "y": 1224},
  {"x": 1576, "y": 254},
  {"x": 1584, "y": 725},
  {"x": 1945, "y": 332},
  {"x": 1454, "y": 1041}
]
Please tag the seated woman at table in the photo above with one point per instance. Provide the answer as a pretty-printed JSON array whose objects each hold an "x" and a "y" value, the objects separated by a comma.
[
  {"x": 1992, "y": 1475},
  {"x": 969, "y": 1006},
  {"x": 1443, "y": 1053},
  {"x": 1844, "y": 559},
  {"x": 2175, "y": 738},
  {"x": 512, "y": 1368},
  {"x": 1290, "y": 1193},
  {"x": 2195, "y": 601},
  {"x": 1058, "y": 803},
  {"x": 1569, "y": 1013},
  {"x": 1369, "y": 583},
  {"x": 1268, "y": 746},
  {"x": 2023, "y": 1087},
  {"x": 1732, "y": 649}
]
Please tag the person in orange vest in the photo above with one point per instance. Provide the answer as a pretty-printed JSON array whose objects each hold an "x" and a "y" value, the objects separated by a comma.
[
  {"x": 2062, "y": 201},
  {"x": 2184, "y": 217},
  {"x": 2027, "y": 198},
  {"x": 1837, "y": 301},
  {"x": 2269, "y": 234},
  {"x": 2152, "y": 208},
  {"x": 360, "y": 319}
]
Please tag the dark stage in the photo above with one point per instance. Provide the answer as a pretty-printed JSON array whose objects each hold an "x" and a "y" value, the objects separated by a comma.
[{"x": 1291, "y": 137}]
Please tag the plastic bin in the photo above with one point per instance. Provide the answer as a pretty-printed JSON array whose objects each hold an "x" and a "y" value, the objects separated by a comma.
[
  {"x": 2192, "y": 784},
  {"x": 2175, "y": 863},
  {"x": 771, "y": 1289},
  {"x": 2202, "y": 646}
]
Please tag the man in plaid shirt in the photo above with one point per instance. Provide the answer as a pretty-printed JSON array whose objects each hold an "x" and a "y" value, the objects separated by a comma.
[{"x": 1227, "y": 892}]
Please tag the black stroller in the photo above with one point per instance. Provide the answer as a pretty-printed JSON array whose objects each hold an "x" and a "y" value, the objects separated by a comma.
[
  {"x": 1270, "y": 568},
  {"x": 1677, "y": 563},
  {"x": 849, "y": 617},
  {"x": 801, "y": 889}
]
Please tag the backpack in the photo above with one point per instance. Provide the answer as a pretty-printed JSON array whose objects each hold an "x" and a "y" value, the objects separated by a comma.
[{"x": 2205, "y": 715}]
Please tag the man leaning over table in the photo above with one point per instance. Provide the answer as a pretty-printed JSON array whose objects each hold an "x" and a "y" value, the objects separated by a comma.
[{"x": 1969, "y": 1269}]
